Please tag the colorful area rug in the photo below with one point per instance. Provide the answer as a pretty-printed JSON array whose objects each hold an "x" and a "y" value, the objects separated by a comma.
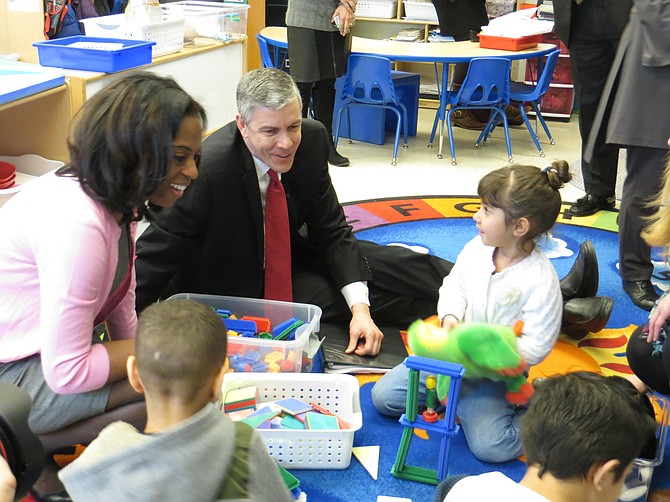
[{"x": 442, "y": 226}]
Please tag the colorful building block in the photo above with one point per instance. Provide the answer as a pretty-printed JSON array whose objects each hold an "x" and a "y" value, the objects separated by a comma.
[
  {"x": 262, "y": 323},
  {"x": 239, "y": 399}
]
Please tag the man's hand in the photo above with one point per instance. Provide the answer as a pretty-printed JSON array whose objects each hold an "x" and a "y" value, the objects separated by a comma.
[
  {"x": 659, "y": 315},
  {"x": 7, "y": 482},
  {"x": 365, "y": 338}
]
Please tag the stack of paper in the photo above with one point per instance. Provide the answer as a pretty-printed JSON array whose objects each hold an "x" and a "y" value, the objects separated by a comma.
[
  {"x": 517, "y": 24},
  {"x": 436, "y": 36},
  {"x": 409, "y": 35}
]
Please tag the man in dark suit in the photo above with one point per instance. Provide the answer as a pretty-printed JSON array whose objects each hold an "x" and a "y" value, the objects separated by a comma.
[
  {"x": 632, "y": 113},
  {"x": 591, "y": 30},
  {"x": 213, "y": 240}
]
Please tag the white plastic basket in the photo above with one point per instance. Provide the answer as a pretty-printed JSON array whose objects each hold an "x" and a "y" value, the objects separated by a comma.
[
  {"x": 307, "y": 449},
  {"x": 383, "y": 9},
  {"x": 168, "y": 34}
]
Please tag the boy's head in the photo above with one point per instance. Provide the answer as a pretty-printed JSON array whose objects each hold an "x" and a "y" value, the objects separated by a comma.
[
  {"x": 179, "y": 352},
  {"x": 586, "y": 427}
]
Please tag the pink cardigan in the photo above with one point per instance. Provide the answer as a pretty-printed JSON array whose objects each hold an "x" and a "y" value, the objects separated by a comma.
[{"x": 58, "y": 255}]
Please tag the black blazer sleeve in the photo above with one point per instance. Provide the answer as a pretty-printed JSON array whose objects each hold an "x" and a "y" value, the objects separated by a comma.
[
  {"x": 562, "y": 18},
  {"x": 318, "y": 211}
]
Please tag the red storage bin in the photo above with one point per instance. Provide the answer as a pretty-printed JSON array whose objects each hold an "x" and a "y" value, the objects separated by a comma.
[
  {"x": 508, "y": 44},
  {"x": 562, "y": 73}
]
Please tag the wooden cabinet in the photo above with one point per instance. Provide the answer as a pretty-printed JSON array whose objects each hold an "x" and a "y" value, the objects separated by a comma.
[{"x": 37, "y": 124}]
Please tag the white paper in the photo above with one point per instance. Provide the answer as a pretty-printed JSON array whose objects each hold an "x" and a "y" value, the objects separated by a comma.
[
  {"x": 97, "y": 46},
  {"x": 517, "y": 24}
]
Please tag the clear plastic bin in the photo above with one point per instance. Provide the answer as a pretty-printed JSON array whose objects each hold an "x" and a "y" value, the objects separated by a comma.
[
  {"x": 295, "y": 351},
  {"x": 636, "y": 486},
  {"x": 222, "y": 20}
]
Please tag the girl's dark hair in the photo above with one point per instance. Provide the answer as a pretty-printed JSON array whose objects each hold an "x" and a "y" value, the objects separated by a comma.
[
  {"x": 526, "y": 192},
  {"x": 120, "y": 142}
]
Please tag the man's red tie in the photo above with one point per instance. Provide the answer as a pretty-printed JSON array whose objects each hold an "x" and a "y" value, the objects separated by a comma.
[{"x": 277, "y": 243}]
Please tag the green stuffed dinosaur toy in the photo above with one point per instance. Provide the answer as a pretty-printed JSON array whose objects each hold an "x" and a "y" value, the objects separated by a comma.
[{"x": 484, "y": 350}]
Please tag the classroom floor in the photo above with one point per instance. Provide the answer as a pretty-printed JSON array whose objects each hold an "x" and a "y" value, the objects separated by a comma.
[{"x": 419, "y": 172}]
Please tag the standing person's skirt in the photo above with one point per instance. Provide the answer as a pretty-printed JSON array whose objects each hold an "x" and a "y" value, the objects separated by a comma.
[{"x": 317, "y": 55}]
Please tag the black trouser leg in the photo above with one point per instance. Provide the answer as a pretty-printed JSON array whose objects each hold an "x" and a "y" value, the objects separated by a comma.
[
  {"x": 593, "y": 45},
  {"x": 643, "y": 181},
  {"x": 305, "y": 89},
  {"x": 648, "y": 365},
  {"x": 323, "y": 101}
]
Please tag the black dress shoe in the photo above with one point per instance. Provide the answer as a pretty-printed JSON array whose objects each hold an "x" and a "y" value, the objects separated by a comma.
[
  {"x": 336, "y": 159},
  {"x": 642, "y": 293},
  {"x": 62, "y": 496},
  {"x": 586, "y": 315},
  {"x": 591, "y": 204},
  {"x": 582, "y": 279}
]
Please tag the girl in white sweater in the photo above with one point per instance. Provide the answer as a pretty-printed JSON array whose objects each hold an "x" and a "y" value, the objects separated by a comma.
[{"x": 499, "y": 277}]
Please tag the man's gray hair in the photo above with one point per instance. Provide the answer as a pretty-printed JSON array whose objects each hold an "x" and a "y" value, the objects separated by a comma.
[{"x": 267, "y": 88}]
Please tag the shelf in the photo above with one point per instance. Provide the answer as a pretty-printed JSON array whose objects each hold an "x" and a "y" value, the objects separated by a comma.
[
  {"x": 552, "y": 84},
  {"x": 37, "y": 124},
  {"x": 32, "y": 97},
  {"x": 395, "y": 20}
]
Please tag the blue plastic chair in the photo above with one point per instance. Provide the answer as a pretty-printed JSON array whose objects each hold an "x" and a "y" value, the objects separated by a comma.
[
  {"x": 369, "y": 83},
  {"x": 272, "y": 59},
  {"x": 521, "y": 93},
  {"x": 486, "y": 86}
]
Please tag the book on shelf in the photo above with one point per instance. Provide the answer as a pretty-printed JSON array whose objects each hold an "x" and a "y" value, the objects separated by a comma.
[
  {"x": 409, "y": 35},
  {"x": 436, "y": 36}
]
